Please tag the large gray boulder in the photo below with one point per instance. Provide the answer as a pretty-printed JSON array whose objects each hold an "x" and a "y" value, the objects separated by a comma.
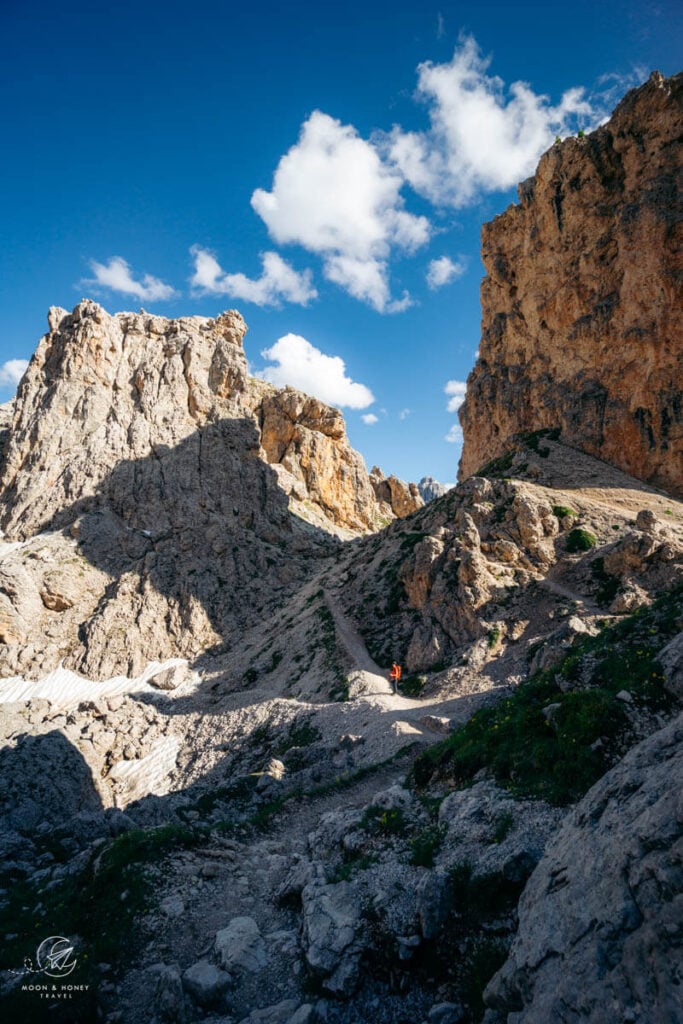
[
  {"x": 601, "y": 920},
  {"x": 332, "y": 934},
  {"x": 206, "y": 983},
  {"x": 240, "y": 946}
]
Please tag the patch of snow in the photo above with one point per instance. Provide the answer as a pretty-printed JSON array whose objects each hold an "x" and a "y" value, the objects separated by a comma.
[
  {"x": 149, "y": 774},
  {"x": 64, "y": 688}
]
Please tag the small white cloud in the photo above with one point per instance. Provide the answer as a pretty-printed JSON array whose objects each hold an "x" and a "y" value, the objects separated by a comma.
[
  {"x": 457, "y": 390},
  {"x": 279, "y": 281},
  {"x": 370, "y": 418},
  {"x": 481, "y": 138},
  {"x": 363, "y": 279},
  {"x": 301, "y": 365},
  {"x": 333, "y": 195},
  {"x": 116, "y": 275},
  {"x": 404, "y": 414},
  {"x": 454, "y": 435},
  {"x": 400, "y": 305},
  {"x": 443, "y": 271},
  {"x": 12, "y": 371}
]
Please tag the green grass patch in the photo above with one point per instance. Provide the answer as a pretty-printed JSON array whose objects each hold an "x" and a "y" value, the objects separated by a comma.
[
  {"x": 497, "y": 467},
  {"x": 580, "y": 540},
  {"x": 340, "y": 692},
  {"x": 384, "y": 822},
  {"x": 274, "y": 661},
  {"x": 560, "y": 760},
  {"x": 301, "y": 734},
  {"x": 351, "y": 865},
  {"x": 493, "y": 637},
  {"x": 562, "y": 511},
  {"x": 426, "y": 844},
  {"x": 503, "y": 826},
  {"x": 412, "y": 686},
  {"x": 607, "y": 585}
]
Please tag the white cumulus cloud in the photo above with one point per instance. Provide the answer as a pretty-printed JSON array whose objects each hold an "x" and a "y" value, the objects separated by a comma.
[
  {"x": 117, "y": 276},
  {"x": 482, "y": 137},
  {"x": 454, "y": 435},
  {"x": 370, "y": 418},
  {"x": 333, "y": 195},
  {"x": 12, "y": 371},
  {"x": 456, "y": 389},
  {"x": 444, "y": 270},
  {"x": 305, "y": 367},
  {"x": 278, "y": 281}
]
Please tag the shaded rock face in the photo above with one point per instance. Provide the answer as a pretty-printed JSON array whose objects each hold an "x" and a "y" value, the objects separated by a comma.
[
  {"x": 396, "y": 497},
  {"x": 581, "y": 305},
  {"x": 104, "y": 389},
  {"x": 600, "y": 919},
  {"x": 137, "y": 473}
]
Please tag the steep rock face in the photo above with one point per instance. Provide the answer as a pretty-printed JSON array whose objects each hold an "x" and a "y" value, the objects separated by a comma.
[
  {"x": 581, "y": 306},
  {"x": 395, "y": 495},
  {"x": 308, "y": 440},
  {"x": 136, "y": 478},
  {"x": 600, "y": 920},
  {"x": 103, "y": 389}
]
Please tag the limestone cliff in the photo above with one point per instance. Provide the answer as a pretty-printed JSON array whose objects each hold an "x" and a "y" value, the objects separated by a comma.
[
  {"x": 305, "y": 439},
  {"x": 581, "y": 305},
  {"x": 137, "y": 472},
  {"x": 103, "y": 389}
]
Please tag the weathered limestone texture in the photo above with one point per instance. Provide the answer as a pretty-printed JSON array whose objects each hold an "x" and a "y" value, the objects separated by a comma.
[{"x": 582, "y": 321}]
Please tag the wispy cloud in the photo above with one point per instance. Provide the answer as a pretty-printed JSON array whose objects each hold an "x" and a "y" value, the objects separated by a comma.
[
  {"x": 457, "y": 390},
  {"x": 405, "y": 413},
  {"x": 278, "y": 281},
  {"x": 444, "y": 270},
  {"x": 12, "y": 371},
  {"x": 116, "y": 275},
  {"x": 333, "y": 195},
  {"x": 454, "y": 435},
  {"x": 482, "y": 137},
  {"x": 305, "y": 367},
  {"x": 369, "y": 418}
]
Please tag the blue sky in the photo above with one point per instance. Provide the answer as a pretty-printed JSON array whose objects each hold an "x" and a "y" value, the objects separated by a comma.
[{"x": 325, "y": 169}]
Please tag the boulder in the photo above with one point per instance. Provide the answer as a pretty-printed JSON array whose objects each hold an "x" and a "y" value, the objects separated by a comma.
[
  {"x": 240, "y": 946},
  {"x": 332, "y": 936},
  {"x": 207, "y": 984},
  {"x": 600, "y": 934}
]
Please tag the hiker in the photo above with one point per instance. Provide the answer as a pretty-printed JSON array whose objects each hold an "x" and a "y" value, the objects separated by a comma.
[{"x": 395, "y": 675}]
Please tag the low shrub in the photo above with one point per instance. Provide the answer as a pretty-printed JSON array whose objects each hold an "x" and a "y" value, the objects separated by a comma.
[
  {"x": 580, "y": 540},
  {"x": 384, "y": 822},
  {"x": 426, "y": 844},
  {"x": 412, "y": 686}
]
